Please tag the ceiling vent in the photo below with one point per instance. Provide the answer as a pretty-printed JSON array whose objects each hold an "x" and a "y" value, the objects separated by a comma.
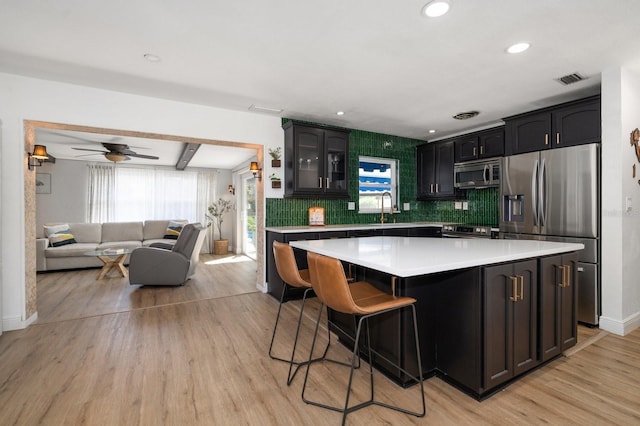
[
  {"x": 571, "y": 78},
  {"x": 466, "y": 115}
]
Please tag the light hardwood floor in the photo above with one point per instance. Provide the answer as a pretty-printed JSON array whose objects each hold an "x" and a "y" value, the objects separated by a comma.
[{"x": 190, "y": 355}]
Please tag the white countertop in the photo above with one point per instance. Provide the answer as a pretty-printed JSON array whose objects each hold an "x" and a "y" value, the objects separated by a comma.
[
  {"x": 350, "y": 227},
  {"x": 413, "y": 256}
]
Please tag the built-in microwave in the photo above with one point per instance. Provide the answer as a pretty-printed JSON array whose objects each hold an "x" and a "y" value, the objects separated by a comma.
[{"x": 478, "y": 174}]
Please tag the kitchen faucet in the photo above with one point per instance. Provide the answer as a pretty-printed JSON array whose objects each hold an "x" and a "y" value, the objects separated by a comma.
[{"x": 382, "y": 218}]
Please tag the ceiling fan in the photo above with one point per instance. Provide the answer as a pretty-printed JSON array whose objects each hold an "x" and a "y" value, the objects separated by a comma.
[{"x": 117, "y": 152}]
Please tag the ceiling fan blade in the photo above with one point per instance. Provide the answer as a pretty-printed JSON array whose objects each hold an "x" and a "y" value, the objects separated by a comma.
[
  {"x": 119, "y": 147},
  {"x": 149, "y": 157},
  {"x": 88, "y": 149}
]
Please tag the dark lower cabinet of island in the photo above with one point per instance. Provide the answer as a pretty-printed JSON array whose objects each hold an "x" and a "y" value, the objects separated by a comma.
[
  {"x": 558, "y": 310},
  {"x": 480, "y": 328}
]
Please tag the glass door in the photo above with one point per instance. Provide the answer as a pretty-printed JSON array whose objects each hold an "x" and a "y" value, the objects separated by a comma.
[{"x": 249, "y": 216}]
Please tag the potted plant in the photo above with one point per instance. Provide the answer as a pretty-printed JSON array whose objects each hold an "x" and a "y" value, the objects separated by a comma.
[
  {"x": 275, "y": 156},
  {"x": 275, "y": 181},
  {"x": 216, "y": 214}
]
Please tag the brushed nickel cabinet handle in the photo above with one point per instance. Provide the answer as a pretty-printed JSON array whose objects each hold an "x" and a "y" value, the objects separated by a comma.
[
  {"x": 546, "y": 138},
  {"x": 327, "y": 179},
  {"x": 474, "y": 151},
  {"x": 557, "y": 138},
  {"x": 319, "y": 182}
]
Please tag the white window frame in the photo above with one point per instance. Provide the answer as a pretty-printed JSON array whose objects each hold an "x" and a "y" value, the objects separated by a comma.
[{"x": 393, "y": 164}]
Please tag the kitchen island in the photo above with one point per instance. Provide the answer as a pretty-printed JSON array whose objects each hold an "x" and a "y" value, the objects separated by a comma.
[{"x": 488, "y": 310}]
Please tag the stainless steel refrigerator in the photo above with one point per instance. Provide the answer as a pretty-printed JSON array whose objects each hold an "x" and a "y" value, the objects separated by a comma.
[{"x": 554, "y": 195}]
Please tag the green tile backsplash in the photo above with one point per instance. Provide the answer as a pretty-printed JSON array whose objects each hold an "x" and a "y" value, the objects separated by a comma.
[{"x": 483, "y": 203}]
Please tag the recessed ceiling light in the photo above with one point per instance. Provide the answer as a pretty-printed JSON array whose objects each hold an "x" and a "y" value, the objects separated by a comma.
[
  {"x": 432, "y": 131},
  {"x": 518, "y": 47},
  {"x": 151, "y": 57},
  {"x": 340, "y": 113},
  {"x": 435, "y": 8}
]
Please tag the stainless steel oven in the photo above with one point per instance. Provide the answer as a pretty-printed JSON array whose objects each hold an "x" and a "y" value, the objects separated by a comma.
[
  {"x": 478, "y": 174},
  {"x": 470, "y": 231}
]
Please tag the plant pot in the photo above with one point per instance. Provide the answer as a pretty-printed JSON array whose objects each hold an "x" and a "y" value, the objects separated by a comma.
[
  {"x": 276, "y": 183},
  {"x": 220, "y": 246},
  {"x": 275, "y": 163}
]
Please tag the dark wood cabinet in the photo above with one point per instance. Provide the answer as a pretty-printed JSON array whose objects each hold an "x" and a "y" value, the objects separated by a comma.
[
  {"x": 574, "y": 123},
  {"x": 558, "y": 311},
  {"x": 316, "y": 161},
  {"x": 510, "y": 321},
  {"x": 474, "y": 146},
  {"x": 434, "y": 170}
]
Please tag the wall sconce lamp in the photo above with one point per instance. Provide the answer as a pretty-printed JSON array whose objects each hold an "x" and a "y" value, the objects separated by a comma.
[
  {"x": 256, "y": 170},
  {"x": 231, "y": 190},
  {"x": 38, "y": 155}
]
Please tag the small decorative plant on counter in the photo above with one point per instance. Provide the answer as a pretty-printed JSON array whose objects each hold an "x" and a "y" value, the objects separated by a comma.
[
  {"x": 275, "y": 181},
  {"x": 216, "y": 215},
  {"x": 275, "y": 156}
]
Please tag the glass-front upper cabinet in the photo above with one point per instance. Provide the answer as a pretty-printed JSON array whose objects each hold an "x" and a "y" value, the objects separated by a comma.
[{"x": 316, "y": 161}]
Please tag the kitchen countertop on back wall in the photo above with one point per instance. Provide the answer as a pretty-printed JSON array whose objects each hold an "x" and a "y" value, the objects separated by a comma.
[{"x": 351, "y": 227}]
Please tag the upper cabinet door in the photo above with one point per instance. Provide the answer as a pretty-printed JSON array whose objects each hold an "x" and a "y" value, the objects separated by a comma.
[
  {"x": 577, "y": 124},
  {"x": 466, "y": 148},
  {"x": 308, "y": 159},
  {"x": 491, "y": 143},
  {"x": 435, "y": 171},
  {"x": 528, "y": 133},
  {"x": 336, "y": 171}
]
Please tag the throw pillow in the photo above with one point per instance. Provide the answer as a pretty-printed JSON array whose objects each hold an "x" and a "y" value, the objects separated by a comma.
[
  {"x": 174, "y": 228},
  {"x": 59, "y": 235}
]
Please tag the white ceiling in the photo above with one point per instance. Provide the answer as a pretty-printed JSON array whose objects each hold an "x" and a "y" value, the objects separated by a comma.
[{"x": 391, "y": 70}]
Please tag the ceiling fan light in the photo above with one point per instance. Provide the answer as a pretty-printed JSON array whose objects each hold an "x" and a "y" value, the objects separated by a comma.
[{"x": 115, "y": 157}]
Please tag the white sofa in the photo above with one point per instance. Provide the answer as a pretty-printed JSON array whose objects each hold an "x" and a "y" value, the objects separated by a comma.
[{"x": 97, "y": 236}]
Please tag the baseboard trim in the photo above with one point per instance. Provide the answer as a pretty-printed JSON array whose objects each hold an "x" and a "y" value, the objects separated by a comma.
[
  {"x": 621, "y": 328},
  {"x": 16, "y": 323}
]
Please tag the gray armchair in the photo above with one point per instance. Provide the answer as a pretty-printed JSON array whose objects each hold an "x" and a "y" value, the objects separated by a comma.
[{"x": 168, "y": 266}]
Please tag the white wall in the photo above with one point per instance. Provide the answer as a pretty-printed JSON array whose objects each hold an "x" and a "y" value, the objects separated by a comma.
[
  {"x": 67, "y": 201},
  {"x": 620, "y": 228},
  {"x": 34, "y": 99}
]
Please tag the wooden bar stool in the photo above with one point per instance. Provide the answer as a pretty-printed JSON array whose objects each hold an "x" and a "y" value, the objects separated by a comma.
[
  {"x": 364, "y": 301},
  {"x": 291, "y": 275}
]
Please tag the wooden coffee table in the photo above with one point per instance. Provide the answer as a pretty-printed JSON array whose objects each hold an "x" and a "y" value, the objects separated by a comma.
[{"x": 112, "y": 259}]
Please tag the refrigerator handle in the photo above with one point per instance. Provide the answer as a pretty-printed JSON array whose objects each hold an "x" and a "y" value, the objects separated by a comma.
[
  {"x": 534, "y": 192},
  {"x": 543, "y": 192}
]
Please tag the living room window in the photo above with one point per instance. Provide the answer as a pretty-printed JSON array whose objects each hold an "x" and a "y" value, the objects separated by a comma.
[{"x": 137, "y": 194}]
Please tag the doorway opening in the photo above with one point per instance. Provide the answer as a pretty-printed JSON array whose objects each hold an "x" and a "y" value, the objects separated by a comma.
[{"x": 249, "y": 216}]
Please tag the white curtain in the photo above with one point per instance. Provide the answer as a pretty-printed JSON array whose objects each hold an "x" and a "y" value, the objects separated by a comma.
[
  {"x": 101, "y": 191},
  {"x": 125, "y": 194},
  {"x": 207, "y": 185}
]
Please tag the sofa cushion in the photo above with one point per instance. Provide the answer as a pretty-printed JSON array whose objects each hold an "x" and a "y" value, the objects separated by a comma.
[
  {"x": 86, "y": 232},
  {"x": 154, "y": 229},
  {"x": 59, "y": 235},
  {"x": 174, "y": 228},
  {"x": 121, "y": 231},
  {"x": 78, "y": 249}
]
